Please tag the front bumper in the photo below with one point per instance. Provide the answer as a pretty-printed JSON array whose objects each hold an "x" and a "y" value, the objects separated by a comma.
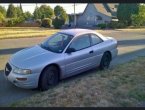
[
  {"x": 114, "y": 53},
  {"x": 30, "y": 82}
]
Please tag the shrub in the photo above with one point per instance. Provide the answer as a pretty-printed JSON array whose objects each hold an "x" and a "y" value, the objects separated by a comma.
[
  {"x": 102, "y": 25},
  {"x": 57, "y": 23},
  {"x": 11, "y": 22},
  {"x": 47, "y": 22},
  {"x": 116, "y": 24},
  {"x": 38, "y": 21},
  {"x": 14, "y": 21}
]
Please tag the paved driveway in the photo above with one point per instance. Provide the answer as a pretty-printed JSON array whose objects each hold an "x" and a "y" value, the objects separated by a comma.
[{"x": 130, "y": 44}]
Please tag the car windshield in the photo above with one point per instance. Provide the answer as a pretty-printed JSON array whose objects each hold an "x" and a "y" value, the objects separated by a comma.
[{"x": 57, "y": 42}]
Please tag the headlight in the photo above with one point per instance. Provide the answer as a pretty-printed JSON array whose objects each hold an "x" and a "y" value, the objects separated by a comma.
[{"x": 21, "y": 71}]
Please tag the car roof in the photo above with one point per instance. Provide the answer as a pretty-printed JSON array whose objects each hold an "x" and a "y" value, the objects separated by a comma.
[{"x": 76, "y": 31}]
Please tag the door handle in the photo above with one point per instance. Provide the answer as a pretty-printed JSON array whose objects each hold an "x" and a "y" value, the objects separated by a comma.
[{"x": 91, "y": 52}]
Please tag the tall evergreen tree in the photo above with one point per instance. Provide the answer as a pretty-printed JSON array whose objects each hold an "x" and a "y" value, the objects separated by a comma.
[
  {"x": 11, "y": 11},
  {"x": 19, "y": 12},
  {"x": 125, "y": 11}
]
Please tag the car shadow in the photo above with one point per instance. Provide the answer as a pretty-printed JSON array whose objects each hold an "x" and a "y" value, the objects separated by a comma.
[
  {"x": 10, "y": 51},
  {"x": 123, "y": 43}
]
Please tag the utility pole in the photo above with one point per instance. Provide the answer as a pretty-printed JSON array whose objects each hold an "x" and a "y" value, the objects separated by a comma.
[
  {"x": 74, "y": 16},
  {"x": 21, "y": 6}
]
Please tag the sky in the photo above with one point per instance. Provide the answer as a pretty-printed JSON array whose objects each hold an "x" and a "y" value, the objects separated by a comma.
[{"x": 69, "y": 7}]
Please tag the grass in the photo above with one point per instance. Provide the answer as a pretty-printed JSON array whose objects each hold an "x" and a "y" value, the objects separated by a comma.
[
  {"x": 122, "y": 85},
  {"x": 26, "y": 32},
  {"x": 21, "y": 32}
]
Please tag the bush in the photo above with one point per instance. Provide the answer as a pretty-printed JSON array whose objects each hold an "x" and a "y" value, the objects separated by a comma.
[
  {"x": 14, "y": 21},
  {"x": 58, "y": 23},
  {"x": 102, "y": 26},
  {"x": 47, "y": 22},
  {"x": 116, "y": 24},
  {"x": 138, "y": 20},
  {"x": 38, "y": 21},
  {"x": 11, "y": 22}
]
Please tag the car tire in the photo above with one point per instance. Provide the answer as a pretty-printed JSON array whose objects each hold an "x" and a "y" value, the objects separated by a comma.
[
  {"x": 49, "y": 78},
  {"x": 105, "y": 61}
]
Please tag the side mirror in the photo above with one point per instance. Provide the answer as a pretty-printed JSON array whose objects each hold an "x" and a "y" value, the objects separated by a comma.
[{"x": 70, "y": 50}]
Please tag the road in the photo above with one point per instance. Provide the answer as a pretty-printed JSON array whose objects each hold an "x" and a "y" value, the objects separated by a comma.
[{"x": 131, "y": 44}]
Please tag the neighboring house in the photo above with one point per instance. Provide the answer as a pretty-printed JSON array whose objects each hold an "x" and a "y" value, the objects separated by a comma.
[
  {"x": 29, "y": 20},
  {"x": 96, "y": 14}
]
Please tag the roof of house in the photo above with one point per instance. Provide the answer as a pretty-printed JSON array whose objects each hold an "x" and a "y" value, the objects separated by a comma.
[
  {"x": 109, "y": 9},
  {"x": 102, "y": 9}
]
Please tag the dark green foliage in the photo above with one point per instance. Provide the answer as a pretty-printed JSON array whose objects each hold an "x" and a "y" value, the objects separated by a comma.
[
  {"x": 126, "y": 10},
  {"x": 116, "y": 24},
  {"x": 61, "y": 13},
  {"x": 3, "y": 11},
  {"x": 11, "y": 11},
  {"x": 58, "y": 22},
  {"x": 47, "y": 22},
  {"x": 102, "y": 26}
]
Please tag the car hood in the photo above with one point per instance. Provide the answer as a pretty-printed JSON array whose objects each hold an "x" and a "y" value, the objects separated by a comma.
[{"x": 31, "y": 56}]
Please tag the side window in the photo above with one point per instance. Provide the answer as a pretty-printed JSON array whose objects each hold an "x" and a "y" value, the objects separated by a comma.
[
  {"x": 96, "y": 39},
  {"x": 80, "y": 43}
]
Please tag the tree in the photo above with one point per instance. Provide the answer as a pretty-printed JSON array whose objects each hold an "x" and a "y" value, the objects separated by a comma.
[
  {"x": 43, "y": 11},
  {"x": 1, "y": 17},
  {"x": 3, "y": 11},
  {"x": 60, "y": 13},
  {"x": 18, "y": 11},
  {"x": 46, "y": 12},
  {"x": 37, "y": 13},
  {"x": 11, "y": 11},
  {"x": 21, "y": 8},
  {"x": 27, "y": 15},
  {"x": 125, "y": 11},
  {"x": 139, "y": 19}
]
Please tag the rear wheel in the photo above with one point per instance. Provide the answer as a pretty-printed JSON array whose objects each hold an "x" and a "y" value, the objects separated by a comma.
[
  {"x": 105, "y": 61},
  {"x": 48, "y": 78}
]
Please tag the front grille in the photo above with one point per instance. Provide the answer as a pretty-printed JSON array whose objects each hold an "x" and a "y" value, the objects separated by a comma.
[{"x": 8, "y": 69}]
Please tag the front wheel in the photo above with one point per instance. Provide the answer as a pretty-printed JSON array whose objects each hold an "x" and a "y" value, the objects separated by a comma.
[
  {"x": 105, "y": 61},
  {"x": 48, "y": 78}
]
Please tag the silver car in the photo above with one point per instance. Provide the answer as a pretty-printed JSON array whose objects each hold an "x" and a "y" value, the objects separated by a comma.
[{"x": 61, "y": 55}]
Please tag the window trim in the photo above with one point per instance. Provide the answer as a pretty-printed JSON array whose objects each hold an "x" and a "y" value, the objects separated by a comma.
[
  {"x": 92, "y": 39},
  {"x": 79, "y": 37}
]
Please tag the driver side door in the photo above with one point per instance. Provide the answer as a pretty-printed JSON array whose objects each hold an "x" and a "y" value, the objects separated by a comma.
[{"x": 81, "y": 59}]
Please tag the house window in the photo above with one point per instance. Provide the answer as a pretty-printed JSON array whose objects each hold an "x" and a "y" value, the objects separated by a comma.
[{"x": 99, "y": 17}]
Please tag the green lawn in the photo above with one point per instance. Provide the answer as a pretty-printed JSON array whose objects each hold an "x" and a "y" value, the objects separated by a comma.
[
  {"x": 19, "y": 32},
  {"x": 122, "y": 85}
]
